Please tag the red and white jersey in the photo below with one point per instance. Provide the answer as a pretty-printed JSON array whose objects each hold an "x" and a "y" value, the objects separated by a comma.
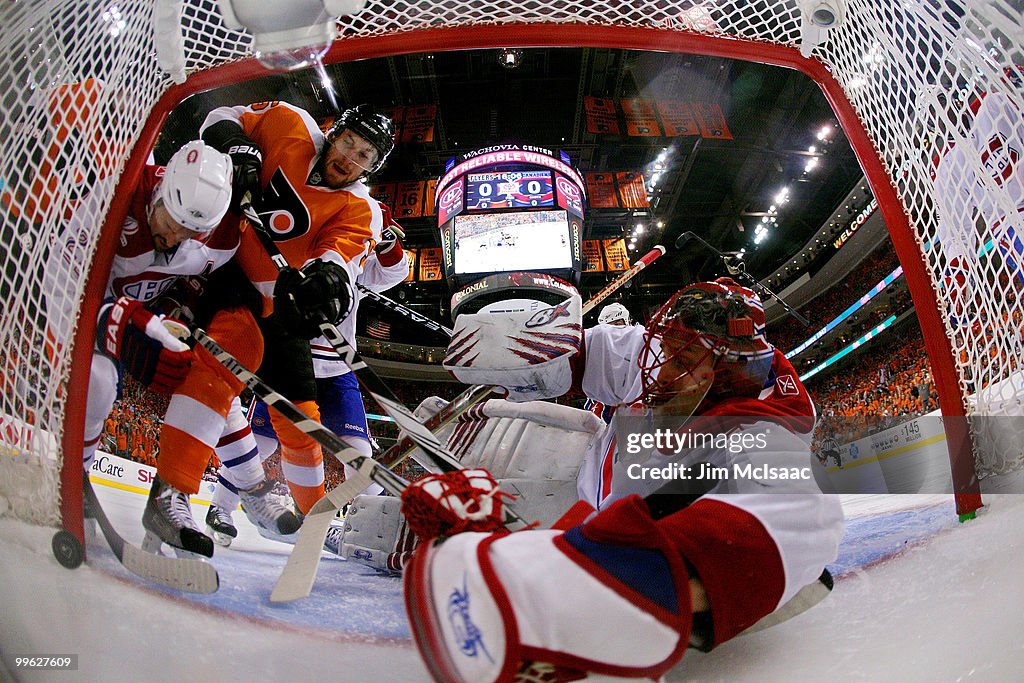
[
  {"x": 140, "y": 272},
  {"x": 307, "y": 220},
  {"x": 802, "y": 526}
]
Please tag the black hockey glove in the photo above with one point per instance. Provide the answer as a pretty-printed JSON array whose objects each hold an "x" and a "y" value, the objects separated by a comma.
[
  {"x": 304, "y": 299},
  {"x": 246, "y": 160}
]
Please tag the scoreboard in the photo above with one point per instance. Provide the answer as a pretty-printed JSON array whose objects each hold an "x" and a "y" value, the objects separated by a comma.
[{"x": 510, "y": 208}]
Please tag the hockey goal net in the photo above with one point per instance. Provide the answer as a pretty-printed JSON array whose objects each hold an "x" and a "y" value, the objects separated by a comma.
[{"x": 928, "y": 93}]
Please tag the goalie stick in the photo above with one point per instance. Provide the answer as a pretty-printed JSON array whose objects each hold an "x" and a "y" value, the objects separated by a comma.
[
  {"x": 189, "y": 575},
  {"x": 367, "y": 470}
]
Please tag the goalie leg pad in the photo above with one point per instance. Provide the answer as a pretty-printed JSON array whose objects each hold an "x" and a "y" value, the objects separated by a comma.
[
  {"x": 483, "y": 606},
  {"x": 376, "y": 533}
]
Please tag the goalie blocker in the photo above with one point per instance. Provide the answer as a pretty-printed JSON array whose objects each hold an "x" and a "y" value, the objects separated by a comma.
[{"x": 533, "y": 449}]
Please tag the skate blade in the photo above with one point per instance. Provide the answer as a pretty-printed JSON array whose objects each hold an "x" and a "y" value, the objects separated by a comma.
[{"x": 221, "y": 539}]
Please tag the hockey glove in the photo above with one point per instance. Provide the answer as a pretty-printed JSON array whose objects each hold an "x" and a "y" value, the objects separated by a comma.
[
  {"x": 453, "y": 502},
  {"x": 128, "y": 333},
  {"x": 304, "y": 299},
  {"x": 246, "y": 160},
  {"x": 389, "y": 248}
]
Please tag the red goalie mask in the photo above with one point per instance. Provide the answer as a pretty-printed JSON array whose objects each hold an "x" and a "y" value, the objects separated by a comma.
[{"x": 707, "y": 332}]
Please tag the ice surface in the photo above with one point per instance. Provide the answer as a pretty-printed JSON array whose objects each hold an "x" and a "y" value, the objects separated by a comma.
[{"x": 918, "y": 597}]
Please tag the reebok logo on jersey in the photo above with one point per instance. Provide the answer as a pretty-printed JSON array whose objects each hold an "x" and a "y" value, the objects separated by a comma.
[{"x": 787, "y": 385}]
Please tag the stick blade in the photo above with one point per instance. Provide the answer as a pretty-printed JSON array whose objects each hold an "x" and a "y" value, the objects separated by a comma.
[{"x": 188, "y": 575}]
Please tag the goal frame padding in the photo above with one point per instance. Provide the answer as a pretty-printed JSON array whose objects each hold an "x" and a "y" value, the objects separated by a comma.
[{"x": 542, "y": 35}]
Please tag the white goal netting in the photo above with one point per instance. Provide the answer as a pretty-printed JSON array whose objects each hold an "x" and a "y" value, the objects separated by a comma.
[{"x": 935, "y": 84}]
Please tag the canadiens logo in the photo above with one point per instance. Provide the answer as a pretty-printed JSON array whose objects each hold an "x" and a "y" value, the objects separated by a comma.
[
  {"x": 787, "y": 385},
  {"x": 1000, "y": 158}
]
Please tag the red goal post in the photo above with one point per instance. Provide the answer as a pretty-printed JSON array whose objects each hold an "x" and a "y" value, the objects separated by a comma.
[{"x": 84, "y": 100}]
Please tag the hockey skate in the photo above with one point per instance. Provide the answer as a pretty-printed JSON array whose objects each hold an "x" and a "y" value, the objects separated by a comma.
[
  {"x": 220, "y": 526},
  {"x": 168, "y": 519},
  {"x": 272, "y": 518}
]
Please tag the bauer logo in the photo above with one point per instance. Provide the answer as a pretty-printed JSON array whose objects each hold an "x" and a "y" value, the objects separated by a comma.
[
  {"x": 467, "y": 635},
  {"x": 362, "y": 554}
]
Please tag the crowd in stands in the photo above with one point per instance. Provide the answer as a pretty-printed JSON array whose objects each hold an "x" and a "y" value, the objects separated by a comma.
[
  {"x": 886, "y": 385},
  {"x": 787, "y": 332}
]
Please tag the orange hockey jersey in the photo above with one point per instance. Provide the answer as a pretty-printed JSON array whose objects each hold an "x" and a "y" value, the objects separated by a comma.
[{"x": 307, "y": 220}]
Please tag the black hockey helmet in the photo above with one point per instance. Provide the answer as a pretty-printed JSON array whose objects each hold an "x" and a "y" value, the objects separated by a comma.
[{"x": 370, "y": 124}]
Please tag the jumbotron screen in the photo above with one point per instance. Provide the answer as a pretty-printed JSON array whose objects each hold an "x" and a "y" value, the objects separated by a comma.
[
  {"x": 509, "y": 190},
  {"x": 510, "y": 208},
  {"x": 517, "y": 241}
]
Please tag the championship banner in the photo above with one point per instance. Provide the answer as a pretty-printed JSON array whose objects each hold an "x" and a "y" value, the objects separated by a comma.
[
  {"x": 711, "y": 120},
  {"x": 592, "y": 261},
  {"x": 631, "y": 190},
  {"x": 397, "y": 116},
  {"x": 601, "y": 189},
  {"x": 409, "y": 199},
  {"x": 678, "y": 118},
  {"x": 410, "y": 255},
  {"x": 601, "y": 115},
  {"x": 430, "y": 264},
  {"x": 640, "y": 118},
  {"x": 429, "y": 197},
  {"x": 616, "y": 257},
  {"x": 419, "y": 123},
  {"x": 384, "y": 193}
]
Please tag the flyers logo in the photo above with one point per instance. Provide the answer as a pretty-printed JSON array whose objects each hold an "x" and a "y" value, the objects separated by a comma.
[{"x": 787, "y": 385}]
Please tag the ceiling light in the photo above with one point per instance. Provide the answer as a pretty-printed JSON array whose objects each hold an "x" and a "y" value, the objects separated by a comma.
[{"x": 510, "y": 57}]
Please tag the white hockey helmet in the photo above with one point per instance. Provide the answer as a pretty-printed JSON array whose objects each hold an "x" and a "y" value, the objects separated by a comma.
[
  {"x": 613, "y": 313},
  {"x": 196, "y": 186}
]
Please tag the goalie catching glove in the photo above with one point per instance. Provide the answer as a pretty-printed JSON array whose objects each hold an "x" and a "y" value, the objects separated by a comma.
[
  {"x": 453, "y": 502},
  {"x": 304, "y": 299},
  {"x": 141, "y": 342}
]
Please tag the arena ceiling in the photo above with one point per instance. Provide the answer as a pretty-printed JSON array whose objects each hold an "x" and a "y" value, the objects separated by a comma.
[{"x": 719, "y": 188}]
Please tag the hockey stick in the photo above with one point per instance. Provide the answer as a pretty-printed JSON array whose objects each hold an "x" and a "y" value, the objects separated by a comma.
[
  {"x": 402, "y": 450},
  {"x": 405, "y": 311},
  {"x": 438, "y": 458},
  {"x": 192, "y": 576},
  {"x": 734, "y": 264},
  {"x": 624, "y": 277},
  {"x": 296, "y": 580}
]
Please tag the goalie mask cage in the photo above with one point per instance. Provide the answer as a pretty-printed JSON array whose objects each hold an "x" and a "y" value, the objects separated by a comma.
[{"x": 84, "y": 98}]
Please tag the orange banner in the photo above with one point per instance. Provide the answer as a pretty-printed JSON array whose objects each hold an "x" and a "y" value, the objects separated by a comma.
[
  {"x": 631, "y": 190},
  {"x": 601, "y": 190},
  {"x": 640, "y": 118},
  {"x": 601, "y": 115},
  {"x": 615, "y": 255},
  {"x": 712, "y": 120},
  {"x": 397, "y": 116},
  {"x": 678, "y": 118},
  {"x": 429, "y": 198},
  {"x": 410, "y": 254},
  {"x": 409, "y": 199},
  {"x": 384, "y": 193},
  {"x": 592, "y": 262},
  {"x": 419, "y": 123},
  {"x": 429, "y": 264}
]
